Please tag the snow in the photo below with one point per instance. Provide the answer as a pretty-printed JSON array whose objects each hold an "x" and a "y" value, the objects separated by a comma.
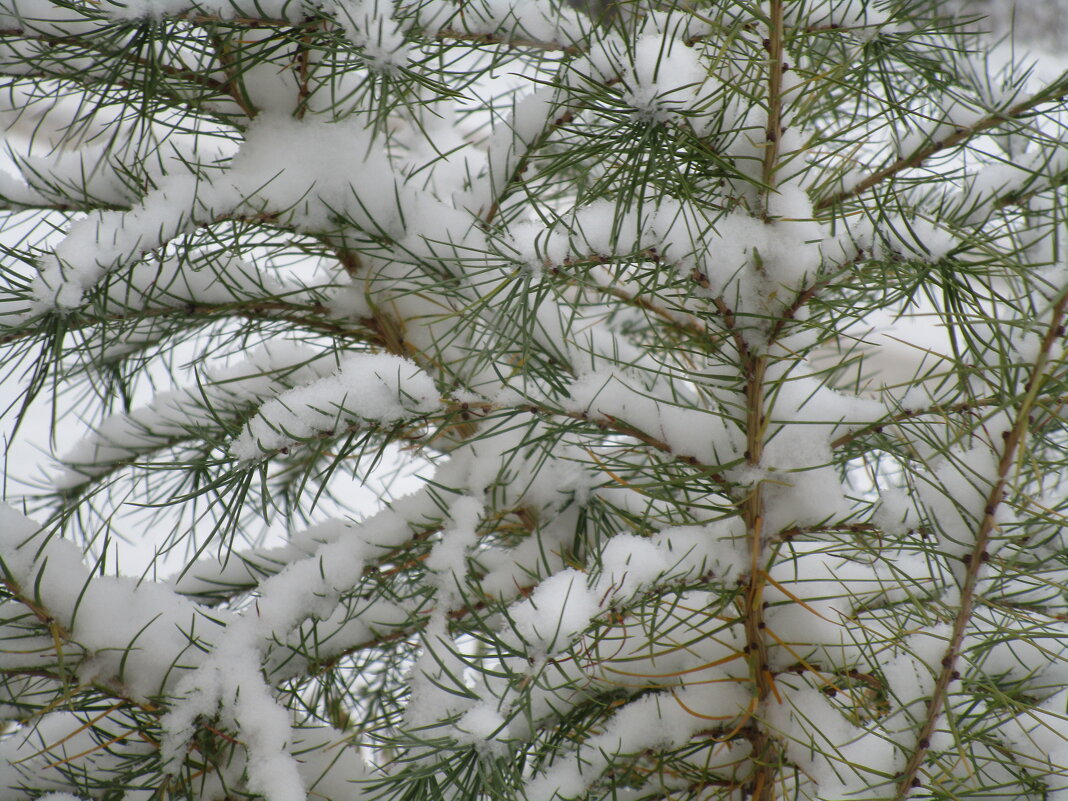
[
  {"x": 329, "y": 764},
  {"x": 686, "y": 430},
  {"x": 811, "y": 602},
  {"x": 370, "y": 27},
  {"x": 629, "y": 562},
  {"x": 665, "y": 77},
  {"x": 915, "y": 236},
  {"x": 247, "y": 567},
  {"x": 233, "y": 675},
  {"x": 349, "y": 302},
  {"x": 46, "y": 18},
  {"x": 842, "y": 760},
  {"x": 482, "y": 726},
  {"x": 1015, "y": 174},
  {"x": 172, "y": 416},
  {"x": 52, "y": 179},
  {"x": 449, "y": 555},
  {"x": 658, "y": 720},
  {"x": 910, "y": 672},
  {"x": 290, "y": 10},
  {"x": 26, "y": 757},
  {"x": 559, "y": 608},
  {"x": 531, "y": 116},
  {"x": 538, "y": 20},
  {"x": 895, "y": 514},
  {"x": 230, "y": 677},
  {"x": 372, "y": 388},
  {"x": 802, "y": 485},
  {"x": 222, "y": 278},
  {"x": 1039, "y": 737},
  {"x": 952, "y": 116},
  {"x": 954, "y": 496},
  {"x": 862, "y": 18},
  {"x": 133, "y": 633},
  {"x": 107, "y": 240},
  {"x": 344, "y": 172},
  {"x": 696, "y": 550}
]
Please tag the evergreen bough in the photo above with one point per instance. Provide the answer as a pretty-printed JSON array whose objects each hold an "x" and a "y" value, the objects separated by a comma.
[{"x": 499, "y": 399}]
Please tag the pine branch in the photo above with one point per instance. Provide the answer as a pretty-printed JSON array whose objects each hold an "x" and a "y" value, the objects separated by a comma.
[
  {"x": 978, "y": 557},
  {"x": 963, "y": 134}
]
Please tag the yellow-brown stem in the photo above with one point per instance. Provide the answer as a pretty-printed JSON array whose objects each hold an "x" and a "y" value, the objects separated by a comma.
[
  {"x": 765, "y": 755},
  {"x": 764, "y": 758},
  {"x": 302, "y": 66},
  {"x": 776, "y": 66}
]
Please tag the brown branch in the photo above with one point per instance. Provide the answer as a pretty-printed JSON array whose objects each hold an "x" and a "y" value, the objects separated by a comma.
[
  {"x": 808, "y": 293},
  {"x": 960, "y": 135},
  {"x": 978, "y": 556},
  {"x": 776, "y": 67},
  {"x": 684, "y": 322},
  {"x": 1019, "y": 198},
  {"x": 249, "y": 310},
  {"x": 227, "y": 589},
  {"x": 451, "y": 34},
  {"x": 466, "y": 412},
  {"x": 908, "y": 414},
  {"x": 764, "y": 759},
  {"x": 62, "y": 635},
  {"x": 65, "y": 207},
  {"x": 687, "y": 324},
  {"x": 302, "y": 67},
  {"x": 80, "y": 42},
  {"x": 523, "y": 162},
  {"x": 212, "y": 20},
  {"x": 443, "y": 35},
  {"x": 234, "y": 88}
]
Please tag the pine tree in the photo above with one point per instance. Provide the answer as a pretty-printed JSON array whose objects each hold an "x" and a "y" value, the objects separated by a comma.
[{"x": 520, "y": 399}]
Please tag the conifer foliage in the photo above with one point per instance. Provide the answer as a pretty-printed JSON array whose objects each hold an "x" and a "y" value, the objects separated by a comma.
[{"x": 660, "y": 399}]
